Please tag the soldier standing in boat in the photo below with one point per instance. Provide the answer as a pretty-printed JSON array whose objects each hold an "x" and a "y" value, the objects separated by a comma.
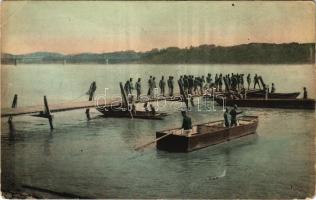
[
  {"x": 226, "y": 119},
  {"x": 152, "y": 109},
  {"x": 272, "y": 88},
  {"x": 304, "y": 93},
  {"x": 186, "y": 124},
  {"x": 138, "y": 88},
  {"x": 233, "y": 114},
  {"x": 162, "y": 85},
  {"x": 146, "y": 106}
]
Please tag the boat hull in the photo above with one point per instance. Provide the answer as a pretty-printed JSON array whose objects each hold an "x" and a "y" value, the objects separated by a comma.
[
  {"x": 308, "y": 104},
  {"x": 293, "y": 95},
  {"x": 205, "y": 137},
  {"x": 137, "y": 114}
]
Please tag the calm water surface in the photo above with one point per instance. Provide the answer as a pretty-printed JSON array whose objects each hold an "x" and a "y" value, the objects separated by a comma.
[{"x": 97, "y": 158}]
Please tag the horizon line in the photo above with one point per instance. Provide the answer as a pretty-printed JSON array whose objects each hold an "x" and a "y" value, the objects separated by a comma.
[{"x": 144, "y": 51}]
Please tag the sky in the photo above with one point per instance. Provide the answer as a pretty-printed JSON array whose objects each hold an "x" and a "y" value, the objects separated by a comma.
[{"x": 107, "y": 26}]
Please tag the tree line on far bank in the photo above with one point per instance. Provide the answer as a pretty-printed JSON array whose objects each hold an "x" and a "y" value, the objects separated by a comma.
[{"x": 252, "y": 53}]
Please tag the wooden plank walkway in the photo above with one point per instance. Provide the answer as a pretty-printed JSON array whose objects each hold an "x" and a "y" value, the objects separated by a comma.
[
  {"x": 72, "y": 105},
  {"x": 67, "y": 106}
]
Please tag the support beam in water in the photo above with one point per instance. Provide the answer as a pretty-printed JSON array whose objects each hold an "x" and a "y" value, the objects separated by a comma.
[
  {"x": 14, "y": 104},
  {"x": 48, "y": 114},
  {"x": 262, "y": 83},
  {"x": 125, "y": 100},
  {"x": 185, "y": 98},
  {"x": 91, "y": 91}
]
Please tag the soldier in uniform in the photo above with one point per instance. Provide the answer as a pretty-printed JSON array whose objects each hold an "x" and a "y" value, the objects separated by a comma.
[
  {"x": 186, "y": 123},
  {"x": 131, "y": 87},
  {"x": 220, "y": 82},
  {"x": 272, "y": 88},
  {"x": 233, "y": 114},
  {"x": 185, "y": 84},
  {"x": 248, "y": 80},
  {"x": 256, "y": 81},
  {"x": 162, "y": 85},
  {"x": 149, "y": 86},
  {"x": 126, "y": 87},
  {"x": 226, "y": 119},
  {"x": 138, "y": 88},
  {"x": 170, "y": 85},
  {"x": 154, "y": 85},
  {"x": 304, "y": 93},
  {"x": 191, "y": 84}
]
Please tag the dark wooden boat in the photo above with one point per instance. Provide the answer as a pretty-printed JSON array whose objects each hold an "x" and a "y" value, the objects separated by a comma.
[
  {"x": 270, "y": 103},
  {"x": 204, "y": 135},
  {"x": 226, "y": 94},
  {"x": 261, "y": 94},
  {"x": 127, "y": 114}
]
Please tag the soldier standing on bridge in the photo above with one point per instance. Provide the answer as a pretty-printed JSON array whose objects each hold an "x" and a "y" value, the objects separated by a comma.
[
  {"x": 256, "y": 81},
  {"x": 150, "y": 88},
  {"x": 154, "y": 85},
  {"x": 220, "y": 82},
  {"x": 138, "y": 88},
  {"x": 170, "y": 85},
  {"x": 131, "y": 87},
  {"x": 248, "y": 80},
  {"x": 162, "y": 85}
]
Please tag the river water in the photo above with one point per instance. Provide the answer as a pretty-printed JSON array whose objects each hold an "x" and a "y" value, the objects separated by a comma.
[{"x": 96, "y": 158}]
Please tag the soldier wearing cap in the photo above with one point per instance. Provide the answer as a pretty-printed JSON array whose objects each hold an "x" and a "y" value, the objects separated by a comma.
[
  {"x": 233, "y": 114},
  {"x": 186, "y": 123},
  {"x": 304, "y": 93},
  {"x": 226, "y": 115}
]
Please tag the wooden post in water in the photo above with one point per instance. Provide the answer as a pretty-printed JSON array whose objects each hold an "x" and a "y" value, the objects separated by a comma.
[
  {"x": 91, "y": 94},
  {"x": 14, "y": 104},
  {"x": 125, "y": 99},
  {"x": 48, "y": 114},
  {"x": 262, "y": 83}
]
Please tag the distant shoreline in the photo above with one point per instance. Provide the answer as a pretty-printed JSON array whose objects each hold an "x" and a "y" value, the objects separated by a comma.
[{"x": 252, "y": 53}]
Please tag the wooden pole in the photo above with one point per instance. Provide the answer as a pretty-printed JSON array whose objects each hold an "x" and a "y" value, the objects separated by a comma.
[
  {"x": 157, "y": 139},
  {"x": 47, "y": 113},
  {"x": 262, "y": 83},
  {"x": 91, "y": 94},
  {"x": 14, "y": 104},
  {"x": 183, "y": 94},
  {"x": 125, "y": 99}
]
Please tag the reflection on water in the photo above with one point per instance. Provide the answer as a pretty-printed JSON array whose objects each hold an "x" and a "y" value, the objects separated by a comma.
[{"x": 96, "y": 158}]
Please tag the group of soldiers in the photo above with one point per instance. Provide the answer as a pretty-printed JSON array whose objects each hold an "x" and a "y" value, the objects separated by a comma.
[
  {"x": 152, "y": 85},
  {"x": 187, "y": 122},
  {"x": 194, "y": 85}
]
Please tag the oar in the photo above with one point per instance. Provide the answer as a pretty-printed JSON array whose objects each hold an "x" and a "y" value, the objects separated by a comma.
[{"x": 142, "y": 146}]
